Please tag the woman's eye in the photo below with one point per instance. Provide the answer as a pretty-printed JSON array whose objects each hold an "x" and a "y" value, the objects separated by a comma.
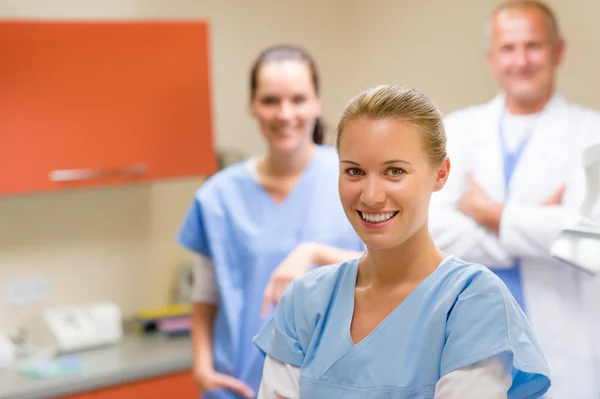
[
  {"x": 395, "y": 171},
  {"x": 299, "y": 100},
  {"x": 269, "y": 101},
  {"x": 354, "y": 172}
]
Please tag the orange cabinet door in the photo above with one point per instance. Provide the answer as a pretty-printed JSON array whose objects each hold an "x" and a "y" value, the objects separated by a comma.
[
  {"x": 180, "y": 386},
  {"x": 81, "y": 396},
  {"x": 95, "y": 103}
]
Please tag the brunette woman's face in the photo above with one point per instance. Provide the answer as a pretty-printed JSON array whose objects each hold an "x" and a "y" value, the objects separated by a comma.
[{"x": 286, "y": 104}]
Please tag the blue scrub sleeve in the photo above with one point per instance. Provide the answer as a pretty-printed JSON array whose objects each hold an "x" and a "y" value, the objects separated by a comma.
[
  {"x": 278, "y": 338},
  {"x": 192, "y": 233},
  {"x": 487, "y": 323}
]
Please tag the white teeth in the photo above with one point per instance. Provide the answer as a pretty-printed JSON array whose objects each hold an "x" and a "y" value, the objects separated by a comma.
[{"x": 377, "y": 218}]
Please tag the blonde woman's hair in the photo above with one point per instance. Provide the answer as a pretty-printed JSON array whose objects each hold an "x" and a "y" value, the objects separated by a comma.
[{"x": 404, "y": 104}]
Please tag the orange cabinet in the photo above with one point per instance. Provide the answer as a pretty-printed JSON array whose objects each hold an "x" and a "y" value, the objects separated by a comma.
[
  {"x": 81, "y": 396},
  {"x": 96, "y": 103},
  {"x": 180, "y": 386}
]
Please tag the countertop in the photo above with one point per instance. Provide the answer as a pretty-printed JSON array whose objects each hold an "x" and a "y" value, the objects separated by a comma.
[{"x": 134, "y": 358}]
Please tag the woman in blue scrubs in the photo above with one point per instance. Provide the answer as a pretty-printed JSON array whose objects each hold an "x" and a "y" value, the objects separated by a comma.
[
  {"x": 406, "y": 320},
  {"x": 255, "y": 225}
]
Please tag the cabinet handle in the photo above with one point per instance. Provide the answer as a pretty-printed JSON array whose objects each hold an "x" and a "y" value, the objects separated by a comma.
[{"x": 65, "y": 175}]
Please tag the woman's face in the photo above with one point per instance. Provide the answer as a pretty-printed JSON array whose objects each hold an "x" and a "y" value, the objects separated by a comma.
[
  {"x": 286, "y": 104},
  {"x": 386, "y": 180}
]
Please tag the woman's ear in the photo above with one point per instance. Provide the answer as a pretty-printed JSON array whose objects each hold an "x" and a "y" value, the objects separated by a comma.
[{"x": 442, "y": 174}]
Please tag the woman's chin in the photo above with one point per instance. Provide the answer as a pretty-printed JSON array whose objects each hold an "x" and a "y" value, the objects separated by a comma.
[
  {"x": 379, "y": 243},
  {"x": 286, "y": 144}
]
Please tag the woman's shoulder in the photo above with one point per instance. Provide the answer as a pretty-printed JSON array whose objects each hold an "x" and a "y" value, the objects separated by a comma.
[
  {"x": 310, "y": 297},
  {"x": 324, "y": 279},
  {"x": 484, "y": 320},
  {"x": 225, "y": 182},
  {"x": 302, "y": 308},
  {"x": 474, "y": 287},
  {"x": 470, "y": 278},
  {"x": 228, "y": 175}
]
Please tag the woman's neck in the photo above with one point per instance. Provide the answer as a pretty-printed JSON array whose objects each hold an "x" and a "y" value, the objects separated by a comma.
[
  {"x": 287, "y": 164},
  {"x": 410, "y": 262}
]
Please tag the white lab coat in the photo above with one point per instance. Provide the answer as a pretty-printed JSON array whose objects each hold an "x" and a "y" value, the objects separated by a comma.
[{"x": 552, "y": 290}]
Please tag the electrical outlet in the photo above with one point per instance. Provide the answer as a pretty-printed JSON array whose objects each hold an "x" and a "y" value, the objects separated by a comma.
[{"x": 27, "y": 291}]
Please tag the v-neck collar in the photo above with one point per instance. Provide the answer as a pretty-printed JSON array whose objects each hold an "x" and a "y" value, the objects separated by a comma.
[
  {"x": 350, "y": 297},
  {"x": 297, "y": 187}
]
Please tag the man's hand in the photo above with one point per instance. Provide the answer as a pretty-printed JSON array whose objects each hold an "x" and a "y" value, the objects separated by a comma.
[
  {"x": 475, "y": 204},
  {"x": 556, "y": 198}
]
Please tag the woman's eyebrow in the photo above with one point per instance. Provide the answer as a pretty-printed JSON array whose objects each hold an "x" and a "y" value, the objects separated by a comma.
[{"x": 390, "y": 162}]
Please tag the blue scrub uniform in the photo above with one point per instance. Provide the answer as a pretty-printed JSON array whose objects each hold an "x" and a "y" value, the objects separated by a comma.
[
  {"x": 460, "y": 314},
  {"x": 236, "y": 223}
]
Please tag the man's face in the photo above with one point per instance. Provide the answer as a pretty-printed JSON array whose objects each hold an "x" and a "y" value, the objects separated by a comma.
[{"x": 524, "y": 54}]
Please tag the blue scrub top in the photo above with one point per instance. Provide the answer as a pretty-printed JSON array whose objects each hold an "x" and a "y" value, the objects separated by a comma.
[
  {"x": 459, "y": 315},
  {"x": 512, "y": 276},
  {"x": 236, "y": 223}
]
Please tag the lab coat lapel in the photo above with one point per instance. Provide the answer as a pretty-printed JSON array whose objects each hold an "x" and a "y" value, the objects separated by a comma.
[
  {"x": 542, "y": 163},
  {"x": 487, "y": 163}
]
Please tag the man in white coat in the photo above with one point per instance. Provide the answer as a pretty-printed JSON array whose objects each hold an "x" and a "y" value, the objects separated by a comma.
[{"x": 516, "y": 177}]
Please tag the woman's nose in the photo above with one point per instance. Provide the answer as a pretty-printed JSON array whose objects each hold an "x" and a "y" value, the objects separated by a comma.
[
  {"x": 373, "y": 192},
  {"x": 285, "y": 110}
]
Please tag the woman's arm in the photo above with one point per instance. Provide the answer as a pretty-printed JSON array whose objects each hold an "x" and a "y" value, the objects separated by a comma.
[
  {"x": 327, "y": 255},
  {"x": 488, "y": 379},
  {"x": 204, "y": 298},
  {"x": 299, "y": 262},
  {"x": 279, "y": 381},
  {"x": 204, "y": 288},
  {"x": 203, "y": 316}
]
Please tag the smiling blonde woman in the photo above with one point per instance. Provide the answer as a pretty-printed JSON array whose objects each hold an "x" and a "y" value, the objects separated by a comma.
[{"x": 406, "y": 320}]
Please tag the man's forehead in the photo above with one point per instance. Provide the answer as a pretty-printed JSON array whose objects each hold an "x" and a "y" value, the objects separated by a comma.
[{"x": 518, "y": 21}]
